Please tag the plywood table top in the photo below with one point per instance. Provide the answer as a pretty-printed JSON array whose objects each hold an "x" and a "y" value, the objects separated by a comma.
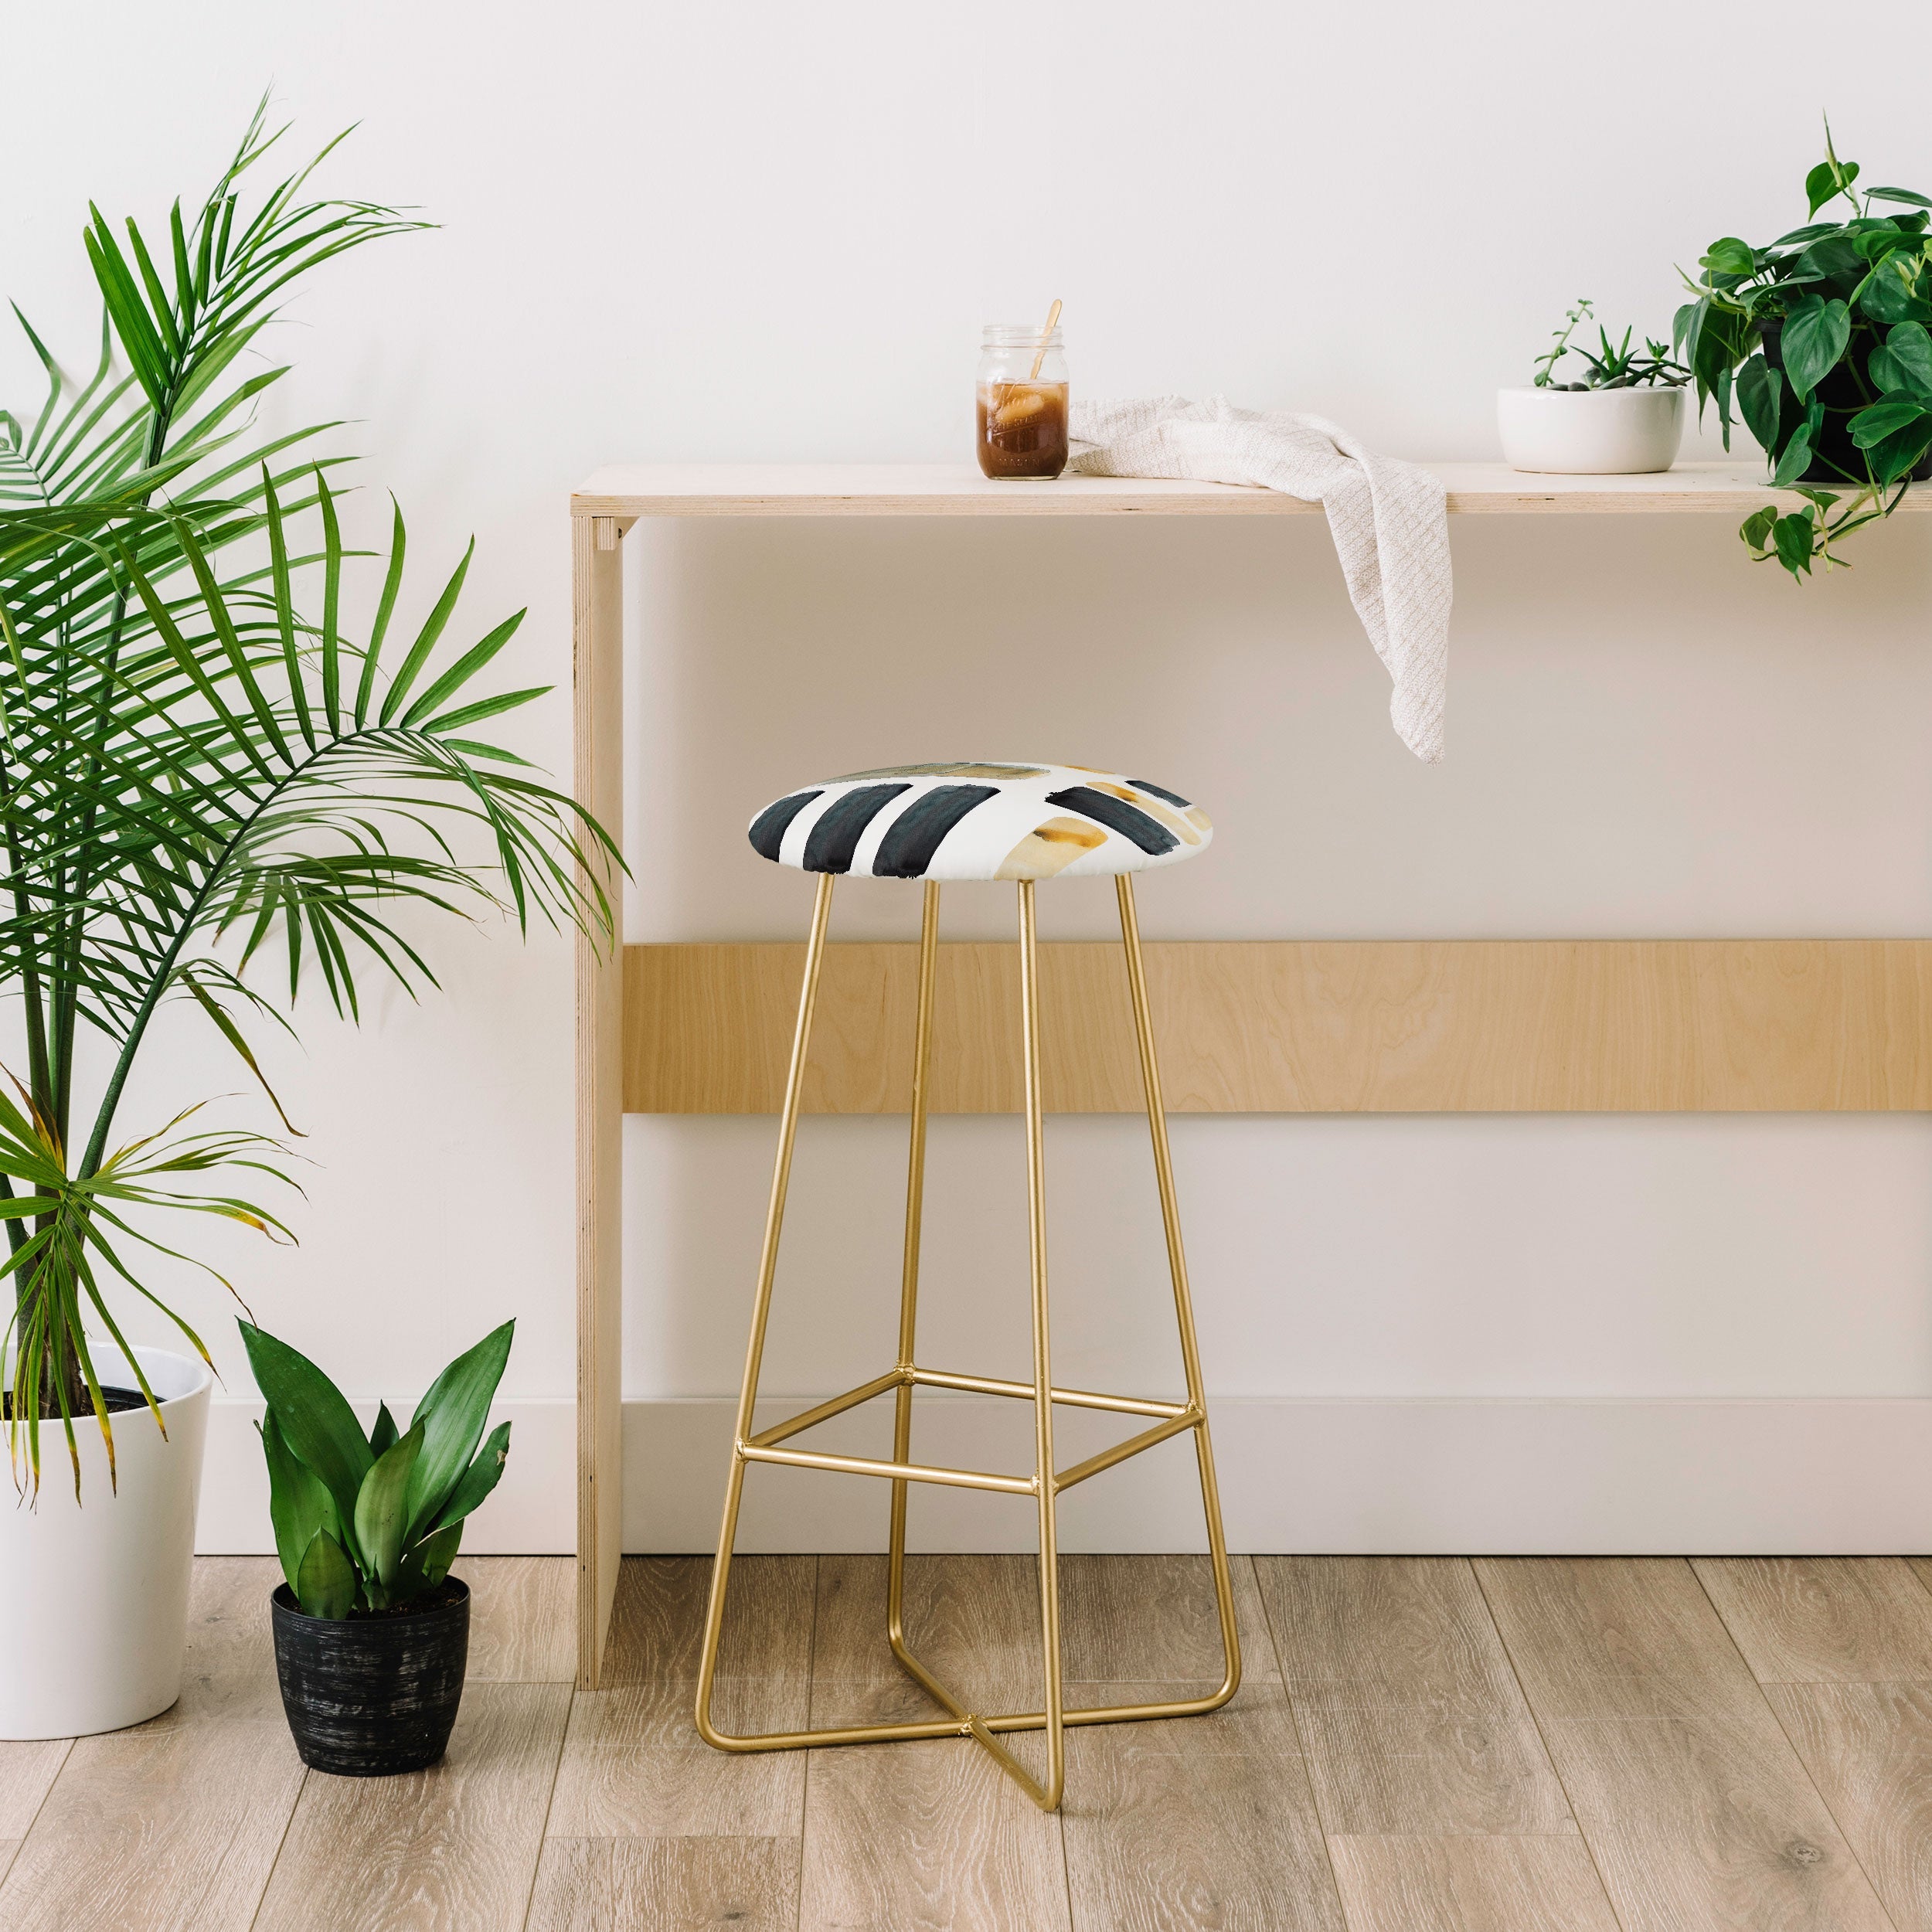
[{"x": 1732, "y": 489}]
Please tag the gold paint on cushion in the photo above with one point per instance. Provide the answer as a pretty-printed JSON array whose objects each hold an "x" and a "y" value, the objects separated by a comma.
[
  {"x": 1050, "y": 847},
  {"x": 947, "y": 771}
]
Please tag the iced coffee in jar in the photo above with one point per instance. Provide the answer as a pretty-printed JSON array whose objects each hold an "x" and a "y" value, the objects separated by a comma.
[{"x": 1021, "y": 411}]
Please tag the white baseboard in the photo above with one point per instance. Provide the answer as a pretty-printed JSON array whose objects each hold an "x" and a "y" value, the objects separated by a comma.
[{"x": 1526, "y": 1477}]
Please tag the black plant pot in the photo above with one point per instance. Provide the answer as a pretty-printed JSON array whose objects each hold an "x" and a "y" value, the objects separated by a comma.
[
  {"x": 368, "y": 1696},
  {"x": 1836, "y": 461}
]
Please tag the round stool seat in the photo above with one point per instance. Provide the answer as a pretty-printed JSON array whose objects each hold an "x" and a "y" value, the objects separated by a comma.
[{"x": 966, "y": 822}]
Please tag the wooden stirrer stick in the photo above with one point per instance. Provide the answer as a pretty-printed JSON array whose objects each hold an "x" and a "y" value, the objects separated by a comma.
[{"x": 1045, "y": 335}]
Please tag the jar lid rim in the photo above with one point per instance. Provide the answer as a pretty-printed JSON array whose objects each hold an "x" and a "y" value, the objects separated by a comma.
[{"x": 1018, "y": 332}]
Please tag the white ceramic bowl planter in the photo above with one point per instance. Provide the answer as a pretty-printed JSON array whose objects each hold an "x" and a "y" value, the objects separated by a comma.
[
  {"x": 93, "y": 1608},
  {"x": 1591, "y": 432}
]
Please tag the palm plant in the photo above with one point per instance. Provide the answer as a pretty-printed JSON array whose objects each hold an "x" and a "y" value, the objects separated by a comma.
[{"x": 187, "y": 757}]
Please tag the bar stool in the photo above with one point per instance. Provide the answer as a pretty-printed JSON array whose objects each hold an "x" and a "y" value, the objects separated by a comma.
[{"x": 938, "y": 822}]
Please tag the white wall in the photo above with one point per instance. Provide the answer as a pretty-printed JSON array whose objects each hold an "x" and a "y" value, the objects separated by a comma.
[{"x": 715, "y": 232}]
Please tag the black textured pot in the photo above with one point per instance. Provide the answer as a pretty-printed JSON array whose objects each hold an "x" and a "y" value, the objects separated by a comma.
[
  {"x": 1836, "y": 460},
  {"x": 368, "y": 1696}
]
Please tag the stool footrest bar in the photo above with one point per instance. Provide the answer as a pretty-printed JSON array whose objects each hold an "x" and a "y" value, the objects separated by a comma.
[
  {"x": 1174, "y": 1426},
  {"x": 969, "y": 1384},
  {"x": 959, "y": 1727},
  {"x": 1067, "y": 1398},
  {"x": 826, "y": 1411},
  {"x": 897, "y": 1471}
]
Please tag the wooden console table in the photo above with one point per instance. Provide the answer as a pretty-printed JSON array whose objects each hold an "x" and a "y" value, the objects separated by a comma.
[{"x": 1751, "y": 1024}]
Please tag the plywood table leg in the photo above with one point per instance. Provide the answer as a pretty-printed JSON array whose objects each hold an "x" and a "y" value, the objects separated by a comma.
[{"x": 597, "y": 667}]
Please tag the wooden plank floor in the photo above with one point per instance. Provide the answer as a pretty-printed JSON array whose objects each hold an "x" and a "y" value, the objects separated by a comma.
[{"x": 1420, "y": 1745}]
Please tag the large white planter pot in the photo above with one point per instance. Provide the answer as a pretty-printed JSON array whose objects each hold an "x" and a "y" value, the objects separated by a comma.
[
  {"x": 1593, "y": 432},
  {"x": 94, "y": 1595}
]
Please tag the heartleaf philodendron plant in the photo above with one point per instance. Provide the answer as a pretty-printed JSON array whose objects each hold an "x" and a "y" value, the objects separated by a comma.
[
  {"x": 368, "y": 1523},
  {"x": 1821, "y": 338},
  {"x": 192, "y": 753}
]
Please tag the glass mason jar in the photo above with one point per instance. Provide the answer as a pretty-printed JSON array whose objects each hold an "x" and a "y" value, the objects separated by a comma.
[{"x": 1020, "y": 414}]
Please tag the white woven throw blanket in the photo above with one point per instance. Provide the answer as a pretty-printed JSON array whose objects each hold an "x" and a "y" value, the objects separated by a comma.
[{"x": 1390, "y": 520}]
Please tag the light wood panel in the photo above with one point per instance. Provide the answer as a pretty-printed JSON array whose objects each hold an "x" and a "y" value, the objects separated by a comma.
[
  {"x": 521, "y": 1618},
  {"x": 1410, "y": 1715},
  {"x": 228, "y": 1671},
  {"x": 174, "y": 1824},
  {"x": 973, "y": 1621},
  {"x": 1691, "y": 1798},
  {"x": 1836, "y": 1642},
  {"x": 957, "y": 489},
  {"x": 1691, "y": 1793},
  {"x": 1824, "y": 1620},
  {"x": 1464, "y": 1884},
  {"x": 173, "y": 1829},
  {"x": 1868, "y": 1748},
  {"x": 597, "y": 583},
  {"x": 1194, "y": 1821},
  {"x": 915, "y": 1836},
  {"x": 452, "y": 1849},
  {"x": 1155, "y": 1617},
  {"x": 666, "y": 1885},
  {"x": 1266, "y": 1026},
  {"x": 27, "y": 1773},
  {"x": 633, "y": 1765}
]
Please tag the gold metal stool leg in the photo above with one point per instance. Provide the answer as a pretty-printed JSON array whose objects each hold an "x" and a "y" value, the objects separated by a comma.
[
  {"x": 1047, "y": 1796},
  {"x": 761, "y": 1309},
  {"x": 908, "y": 1307},
  {"x": 1183, "y": 1301},
  {"x": 1045, "y": 1484}
]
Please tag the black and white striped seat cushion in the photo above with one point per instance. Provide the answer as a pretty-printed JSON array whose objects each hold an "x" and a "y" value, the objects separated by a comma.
[{"x": 961, "y": 822}]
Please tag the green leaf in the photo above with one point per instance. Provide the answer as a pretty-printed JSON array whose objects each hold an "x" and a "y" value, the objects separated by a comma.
[
  {"x": 1759, "y": 396},
  {"x": 1901, "y": 451},
  {"x": 1909, "y": 349},
  {"x": 381, "y": 1511},
  {"x": 1728, "y": 256},
  {"x": 1814, "y": 337},
  {"x": 381, "y": 1436},
  {"x": 1891, "y": 295},
  {"x": 1908, "y": 195},
  {"x": 1792, "y": 535},
  {"x": 479, "y": 1479},
  {"x": 325, "y": 1585},
  {"x": 461, "y": 672},
  {"x": 315, "y": 1420},
  {"x": 384, "y": 608},
  {"x": 1756, "y": 529},
  {"x": 299, "y": 1505},
  {"x": 1795, "y": 460},
  {"x": 1883, "y": 238},
  {"x": 1872, "y": 425},
  {"x": 1820, "y": 185},
  {"x": 418, "y": 652},
  {"x": 433, "y": 1555},
  {"x": 1684, "y": 326},
  {"x": 452, "y": 1415},
  {"x": 1834, "y": 257}
]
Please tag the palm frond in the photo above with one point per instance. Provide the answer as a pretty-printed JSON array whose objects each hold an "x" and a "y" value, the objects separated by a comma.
[{"x": 195, "y": 754}]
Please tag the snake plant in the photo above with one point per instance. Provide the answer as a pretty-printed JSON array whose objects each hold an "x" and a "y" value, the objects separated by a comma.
[
  {"x": 205, "y": 764},
  {"x": 369, "y": 1523}
]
